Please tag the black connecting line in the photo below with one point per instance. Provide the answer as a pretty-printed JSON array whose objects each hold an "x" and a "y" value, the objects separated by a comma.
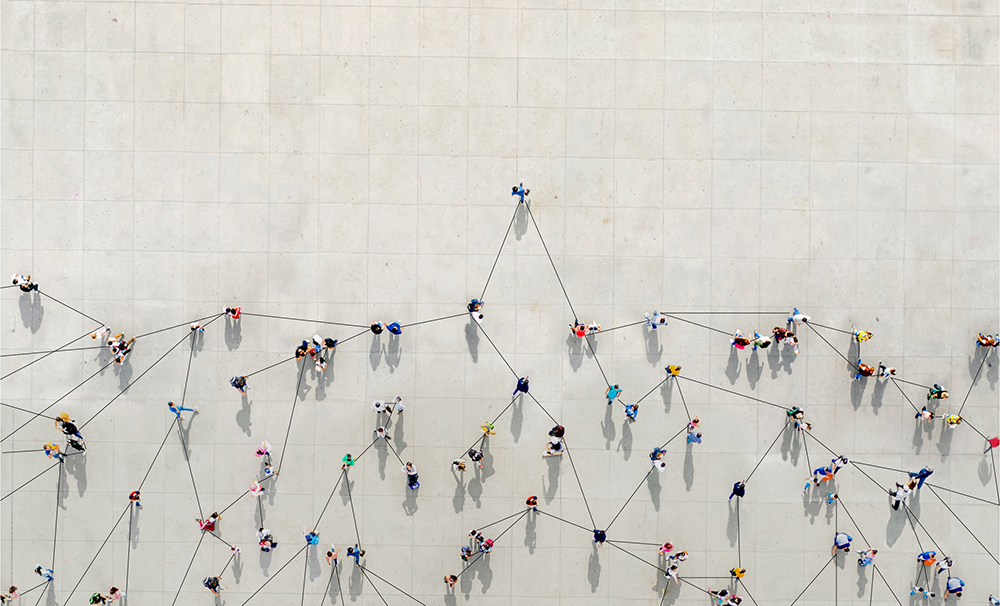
[
  {"x": 295, "y": 401},
  {"x": 49, "y": 351},
  {"x": 582, "y": 492},
  {"x": 814, "y": 579},
  {"x": 729, "y": 391},
  {"x": 683, "y": 401},
  {"x": 547, "y": 254},
  {"x": 950, "y": 510},
  {"x": 914, "y": 406},
  {"x": 101, "y": 548},
  {"x": 464, "y": 313},
  {"x": 58, "y": 349},
  {"x": 247, "y": 313},
  {"x": 483, "y": 553},
  {"x": 482, "y": 297},
  {"x": 973, "y": 384},
  {"x": 651, "y": 469},
  {"x": 45, "y": 294},
  {"x": 188, "y": 571},
  {"x": 783, "y": 427},
  {"x": 697, "y": 324},
  {"x": 271, "y": 578},
  {"x": 367, "y": 572},
  {"x": 837, "y": 351}
]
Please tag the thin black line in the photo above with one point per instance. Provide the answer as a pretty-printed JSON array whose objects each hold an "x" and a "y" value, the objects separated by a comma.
[
  {"x": 500, "y": 520},
  {"x": 817, "y": 333},
  {"x": 573, "y": 465},
  {"x": 187, "y": 457},
  {"x": 43, "y": 293},
  {"x": 61, "y": 398},
  {"x": 746, "y": 589},
  {"x": 188, "y": 571},
  {"x": 483, "y": 437},
  {"x": 973, "y": 384},
  {"x": 128, "y": 556},
  {"x": 886, "y": 585},
  {"x": 697, "y": 324},
  {"x": 906, "y": 510},
  {"x": 483, "y": 553},
  {"x": 387, "y": 443},
  {"x": 247, "y": 313},
  {"x": 542, "y": 240},
  {"x": 329, "y": 584},
  {"x": 227, "y": 543},
  {"x": 29, "y": 481},
  {"x": 739, "y": 542},
  {"x": 464, "y": 313},
  {"x": 495, "y": 348},
  {"x": 366, "y": 448},
  {"x": 390, "y": 585},
  {"x": 354, "y": 336},
  {"x": 891, "y": 379},
  {"x": 270, "y": 367},
  {"x": 629, "y": 499},
  {"x": 996, "y": 482},
  {"x": 504, "y": 241},
  {"x": 840, "y": 503},
  {"x": 846, "y": 332},
  {"x": 633, "y": 543},
  {"x": 343, "y": 473},
  {"x": 36, "y": 586},
  {"x": 684, "y": 402},
  {"x": 735, "y": 393},
  {"x": 566, "y": 521},
  {"x": 822, "y": 444},
  {"x": 55, "y": 531},
  {"x": 228, "y": 562},
  {"x": 124, "y": 511},
  {"x": 353, "y": 515},
  {"x": 103, "y": 408},
  {"x": 165, "y": 436},
  {"x": 652, "y": 390},
  {"x": 305, "y": 570},
  {"x": 882, "y": 488},
  {"x": 295, "y": 401},
  {"x": 58, "y": 349},
  {"x": 604, "y": 330},
  {"x": 35, "y": 353},
  {"x": 545, "y": 410},
  {"x": 973, "y": 427},
  {"x": 373, "y": 585},
  {"x": 814, "y": 579},
  {"x": 878, "y": 466},
  {"x": 35, "y": 450},
  {"x": 158, "y": 331},
  {"x": 922, "y": 527},
  {"x": 271, "y": 578},
  {"x": 26, "y": 410},
  {"x": 783, "y": 427},
  {"x": 805, "y": 446},
  {"x": 910, "y": 382},
  {"x": 594, "y": 353},
  {"x": 964, "y": 526},
  {"x": 959, "y": 493},
  {"x": 622, "y": 549}
]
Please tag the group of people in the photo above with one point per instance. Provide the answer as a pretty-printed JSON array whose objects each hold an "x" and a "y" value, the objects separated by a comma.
[
  {"x": 582, "y": 330},
  {"x": 24, "y": 283},
  {"x": 314, "y": 349},
  {"x": 73, "y": 437},
  {"x": 120, "y": 348}
]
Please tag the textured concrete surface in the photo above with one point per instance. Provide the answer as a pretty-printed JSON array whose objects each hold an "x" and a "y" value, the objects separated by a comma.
[{"x": 349, "y": 163}]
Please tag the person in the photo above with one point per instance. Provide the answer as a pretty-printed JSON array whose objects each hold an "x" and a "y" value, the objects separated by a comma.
[
  {"x": 738, "y": 572},
  {"x": 301, "y": 351},
  {"x": 458, "y": 464},
  {"x": 377, "y": 328},
  {"x": 378, "y": 407},
  {"x": 450, "y": 579},
  {"x": 466, "y": 553},
  {"x": 474, "y": 305},
  {"x": 655, "y": 321},
  {"x": 477, "y": 316},
  {"x": 795, "y": 413},
  {"x": 937, "y": 393},
  {"x": 329, "y": 343},
  {"x": 101, "y": 333},
  {"x": 600, "y": 536},
  {"x": 115, "y": 594},
  {"x": 659, "y": 466},
  {"x": 831, "y": 497},
  {"x": 987, "y": 341},
  {"x": 411, "y": 476},
  {"x": 613, "y": 392},
  {"x": 382, "y": 432},
  {"x": 953, "y": 420},
  {"x": 397, "y": 405},
  {"x": 863, "y": 371},
  {"x": 321, "y": 364},
  {"x": 578, "y": 329},
  {"x": 98, "y": 598},
  {"x": 867, "y": 558},
  {"x": 69, "y": 429},
  {"x": 522, "y": 387},
  {"x": 673, "y": 573},
  {"x": 486, "y": 546},
  {"x": 921, "y": 475},
  {"x": 925, "y": 414},
  {"x": 739, "y": 341},
  {"x": 355, "y": 552},
  {"x": 994, "y": 601},
  {"x": 331, "y": 556},
  {"x": 394, "y": 328},
  {"x": 944, "y": 565},
  {"x": 841, "y": 540},
  {"x": 177, "y": 410},
  {"x": 196, "y": 327},
  {"x": 311, "y": 536},
  {"x": 13, "y": 592},
  {"x": 884, "y": 372},
  {"x": 927, "y": 558},
  {"x": 593, "y": 327},
  {"x": 213, "y": 584},
  {"x": 233, "y": 312},
  {"x": 45, "y": 573},
  {"x": 693, "y": 424},
  {"x": 898, "y": 497},
  {"x": 476, "y": 456},
  {"x": 558, "y": 431},
  {"x": 920, "y": 591},
  {"x": 673, "y": 370},
  {"x": 954, "y": 586},
  {"x": 860, "y": 336},
  {"x": 209, "y": 523},
  {"x": 520, "y": 192},
  {"x": 52, "y": 451},
  {"x": 666, "y": 548},
  {"x": 77, "y": 444},
  {"x": 759, "y": 341},
  {"x": 554, "y": 448},
  {"x": 679, "y": 557},
  {"x": 786, "y": 337},
  {"x": 263, "y": 449},
  {"x": 488, "y": 429},
  {"x": 739, "y": 490},
  {"x": 657, "y": 454},
  {"x": 797, "y": 317},
  {"x": 256, "y": 489},
  {"x": 240, "y": 383},
  {"x": 24, "y": 284},
  {"x": 992, "y": 443},
  {"x": 631, "y": 412},
  {"x": 802, "y": 426},
  {"x": 694, "y": 438},
  {"x": 265, "y": 540},
  {"x": 838, "y": 463},
  {"x": 134, "y": 497}
]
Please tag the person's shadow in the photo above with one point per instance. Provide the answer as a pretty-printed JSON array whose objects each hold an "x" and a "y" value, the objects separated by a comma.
[
  {"x": 520, "y": 220},
  {"x": 234, "y": 333},
  {"x": 653, "y": 347},
  {"x": 472, "y": 338},
  {"x": 31, "y": 311}
]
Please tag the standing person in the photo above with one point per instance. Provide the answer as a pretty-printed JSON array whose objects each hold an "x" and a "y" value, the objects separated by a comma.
[
  {"x": 177, "y": 410},
  {"x": 321, "y": 364},
  {"x": 841, "y": 540},
  {"x": 214, "y": 584},
  {"x": 654, "y": 321},
  {"x": 578, "y": 329},
  {"x": 944, "y": 565},
  {"x": 673, "y": 370},
  {"x": 613, "y": 392},
  {"x": 953, "y": 420},
  {"x": 458, "y": 464},
  {"x": 532, "y": 503},
  {"x": 332, "y": 555},
  {"x": 329, "y": 343},
  {"x": 397, "y": 406},
  {"x": 921, "y": 475},
  {"x": 992, "y": 443},
  {"x": 233, "y": 312},
  {"x": 394, "y": 328},
  {"x": 378, "y": 407},
  {"x": 885, "y": 372},
  {"x": 450, "y": 579},
  {"x": 311, "y": 536},
  {"x": 52, "y": 451},
  {"x": 522, "y": 387},
  {"x": 382, "y": 432},
  {"x": 98, "y": 598},
  {"x": 135, "y": 498},
  {"x": 256, "y": 489},
  {"x": 666, "y": 548},
  {"x": 863, "y": 371},
  {"x": 867, "y": 558},
  {"x": 196, "y": 327},
  {"x": 520, "y": 192},
  {"x": 923, "y": 593},
  {"x": 673, "y": 573},
  {"x": 924, "y": 414},
  {"x": 488, "y": 429},
  {"x": 739, "y": 341},
  {"x": 355, "y": 552},
  {"x": 694, "y": 438},
  {"x": 954, "y": 586},
  {"x": 631, "y": 412},
  {"x": 739, "y": 490},
  {"x": 737, "y": 572},
  {"x": 377, "y": 328},
  {"x": 987, "y": 340},
  {"x": 301, "y": 351},
  {"x": 115, "y": 594},
  {"x": 927, "y": 558},
  {"x": 474, "y": 305},
  {"x": 266, "y": 539},
  {"x": 600, "y": 536},
  {"x": 657, "y": 453},
  {"x": 411, "y": 476},
  {"x": 558, "y": 431},
  {"x": 798, "y": 317},
  {"x": 554, "y": 448},
  {"x": 465, "y": 553},
  {"x": 24, "y": 284},
  {"x": 937, "y": 393},
  {"x": 476, "y": 456},
  {"x": 860, "y": 336},
  {"x": 45, "y": 573},
  {"x": 759, "y": 341},
  {"x": 209, "y": 523},
  {"x": 240, "y": 383}
]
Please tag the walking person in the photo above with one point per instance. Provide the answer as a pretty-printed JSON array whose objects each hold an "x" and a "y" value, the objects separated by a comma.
[
  {"x": 115, "y": 594},
  {"x": 45, "y": 573},
  {"x": 798, "y": 317},
  {"x": 240, "y": 383},
  {"x": 397, "y": 406},
  {"x": 265, "y": 540},
  {"x": 412, "y": 478},
  {"x": 923, "y": 593},
  {"x": 331, "y": 556},
  {"x": 377, "y": 328},
  {"x": 233, "y": 313},
  {"x": 867, "y": 558},
  {"x": 522, "y": 387},
  {"x": 921, "y": 476},
  {"x": 311, "y": 536},
  {"x": 885, "y": 372},
  {"x": 209, "y": 523},
  {"x": 654, "y": 321},
  {"x": 863, "y": 371},
  {"x": 759, "y": 341},
  {"x": 52, "y": 451},
  {"x": 613, "y": 392},
  {"x": 631, "y": 412},
  {"x": 458, "y": 464},
  {"x": 944, "y": 566},
  {"x": 394, "y": 328},
  {"x": 937, "y": 393},
  {"x": 925, "y": 415},
  {"x": 214, "y": 584},
  {"x": 600, "y": 536},
  {"x": 177, "y": 410},
  {"x": 518, "y": 191},
  {"x": 954, "y": 586},
  {"x": 739, "y": 490},
  {"x": 357, "y": 553},
  {"x": 841, "y": 540},
  {"x": 476, "y": 456},
  {"x": 739, "y": 341}
]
